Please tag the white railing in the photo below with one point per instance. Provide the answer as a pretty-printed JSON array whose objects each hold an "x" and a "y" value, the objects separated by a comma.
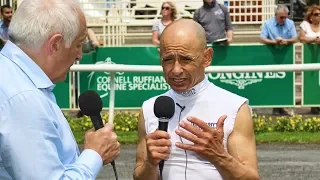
[
  {"x": 115, "y": 16},
  {"x": 113, "y": 68},
  {"x": 126, "y": 11},
  {"x": 115, "y": 35},
  {"x": 3, "y": 2}
]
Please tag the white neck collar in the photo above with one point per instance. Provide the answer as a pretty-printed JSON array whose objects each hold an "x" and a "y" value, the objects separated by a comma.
[{"x": 194, "y": 91}]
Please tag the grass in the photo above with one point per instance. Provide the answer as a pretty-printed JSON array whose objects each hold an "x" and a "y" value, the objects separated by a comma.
[
  {"x": 289, "y": 137},
  {"x": 123, "y": 137},
  {"x": 270, "y": 137}
]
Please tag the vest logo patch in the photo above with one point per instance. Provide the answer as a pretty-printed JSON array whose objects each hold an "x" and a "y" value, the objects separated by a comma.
[
  {"x": 188, "y": 93},
  {"x": 212, "y": 125}
]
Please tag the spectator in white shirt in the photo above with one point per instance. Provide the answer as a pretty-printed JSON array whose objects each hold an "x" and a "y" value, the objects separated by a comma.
[
  {"x": 310, "y": 33},
  {"x": 169, "y": 14},
  {"x": 310, "y": 27}
]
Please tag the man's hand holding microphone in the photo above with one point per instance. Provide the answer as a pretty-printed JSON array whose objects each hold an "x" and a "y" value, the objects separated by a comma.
[
  {"x": 104, "y": 141},
  {"x": 102, "y": 138},
  {"x": 158, "y": 147}
]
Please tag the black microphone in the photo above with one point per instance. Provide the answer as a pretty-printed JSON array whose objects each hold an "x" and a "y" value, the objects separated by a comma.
[
  {"x": 164, "y": 109},
  {"x": 91, "y": 105}
]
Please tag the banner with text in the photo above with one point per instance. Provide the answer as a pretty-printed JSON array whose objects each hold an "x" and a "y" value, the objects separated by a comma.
[
  {"x": 262, "y": 89},
  {"x": 62, "y": 93},
  {"x": 311, "y": 79}
]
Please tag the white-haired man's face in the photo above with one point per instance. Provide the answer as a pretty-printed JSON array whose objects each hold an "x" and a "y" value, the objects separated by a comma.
[
  {"x": 62, "y": 57},
  {"x": 281, "y": 17}
]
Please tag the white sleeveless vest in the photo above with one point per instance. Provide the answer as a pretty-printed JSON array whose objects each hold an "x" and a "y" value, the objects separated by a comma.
[{"x": 206, "y": 102}]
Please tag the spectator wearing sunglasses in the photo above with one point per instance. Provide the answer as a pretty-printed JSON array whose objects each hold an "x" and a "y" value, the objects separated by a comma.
[
  {"x": 279, "y": 29},
  {"x": 169, "y": 14},
  {"x": 310, "y": 33},
  {"x": 310, "y": 27}
]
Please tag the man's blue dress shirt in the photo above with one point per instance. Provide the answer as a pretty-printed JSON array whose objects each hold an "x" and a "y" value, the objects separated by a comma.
[
  {"x": 36, "y": 142},
  {"x": 271, "y": 29},
  {"x": 3, "y": 31}
]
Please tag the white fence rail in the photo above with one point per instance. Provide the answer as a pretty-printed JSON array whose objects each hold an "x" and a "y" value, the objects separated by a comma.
[
  {"x": 144, "y": 12},
  {"x": 212, "y": 69},
  {"x": 8, "y": 2},
  {"x": 116, "y": 16},
  {"x": 113, "y": 68}
]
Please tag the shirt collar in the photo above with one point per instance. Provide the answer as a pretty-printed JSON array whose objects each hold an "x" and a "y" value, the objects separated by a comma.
[
  {"x": 194, "y": 91},
  {"x": 275, "y": 22},
  {"x": 3, "y": 25},
  {"x": 27, "y": 65},
  {"x": 211, "y": 5}
]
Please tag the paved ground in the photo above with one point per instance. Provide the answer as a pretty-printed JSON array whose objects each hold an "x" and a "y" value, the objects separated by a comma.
[
  {"x": 289, "y": 162},
  {"x": 276, "y": 162}
]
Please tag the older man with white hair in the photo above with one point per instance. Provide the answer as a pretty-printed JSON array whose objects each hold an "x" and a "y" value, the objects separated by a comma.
[
  {"x": 45, "y": 39},
  {"x": 279, "y": 30}
]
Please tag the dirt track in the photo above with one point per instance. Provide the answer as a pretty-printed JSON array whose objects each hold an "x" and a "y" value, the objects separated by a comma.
[{"x": 276, "y": 162}]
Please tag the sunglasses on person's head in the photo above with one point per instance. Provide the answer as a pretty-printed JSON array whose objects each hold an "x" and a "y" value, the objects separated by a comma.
[{"x": 166, "y": 8}]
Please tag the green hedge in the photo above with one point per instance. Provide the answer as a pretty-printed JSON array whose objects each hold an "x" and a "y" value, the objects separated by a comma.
[
  {"x": 125, "y": 121},
  {"x": 296, "y": 123}
]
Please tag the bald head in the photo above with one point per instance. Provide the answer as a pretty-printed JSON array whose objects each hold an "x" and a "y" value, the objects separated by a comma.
[
  {"x": 184, "y": 54},
  {"x": 184, "y": 31}
]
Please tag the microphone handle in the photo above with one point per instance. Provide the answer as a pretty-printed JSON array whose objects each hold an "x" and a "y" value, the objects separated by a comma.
[
  {"x": 163, "y": 125},
  {"x": 161, "y": 164},
  {"x": 98, "y": 124}
]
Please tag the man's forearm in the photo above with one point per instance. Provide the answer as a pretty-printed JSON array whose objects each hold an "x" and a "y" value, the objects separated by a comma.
[
  {"x": 146, "y": 171},
  {"x": 267, "y": 41},
  {"x": 156, "y": 42},
  {"x": 231, "y": 169},
  {"x": 230, "y": 34},
  {"x": 292, "y": 40}
]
